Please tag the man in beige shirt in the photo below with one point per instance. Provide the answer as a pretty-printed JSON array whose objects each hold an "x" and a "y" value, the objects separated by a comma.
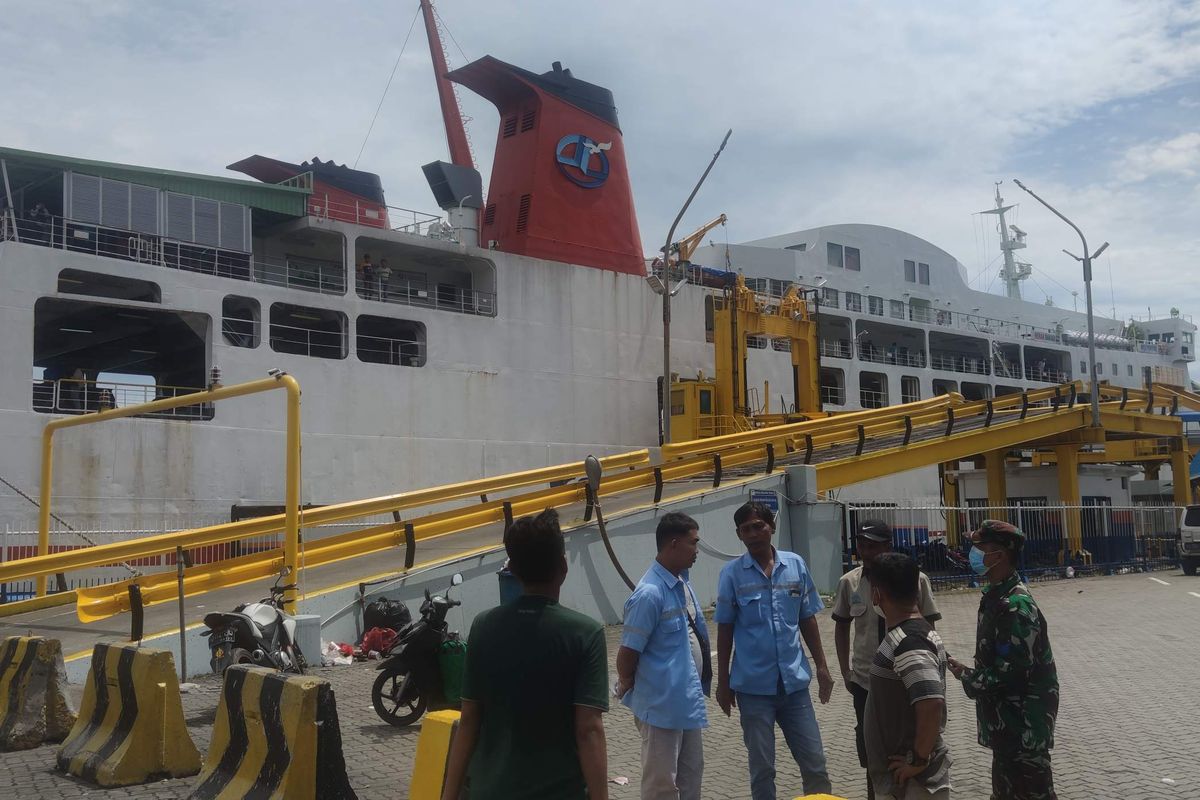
[{"x": 852, "y": 607}]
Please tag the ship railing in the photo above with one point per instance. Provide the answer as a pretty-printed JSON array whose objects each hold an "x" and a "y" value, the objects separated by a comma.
[
  {"x": 833, "y": 395},
  {"x": 835, "y": 348},
  {"x": 1153, "y": 318},
  {"x": 79, "y": 396},
  {"x": 1045, "y": 375},
  {"x": 409, "y": 292},
  {"x": 383, "y": 350},
  {"x": 373, "y": 215},
  {"x": 312, "y": 342},
  {"x": 869, "y": 398},
  {"x": 958, "y": 362},
  {"x": 878, "y": 355}
]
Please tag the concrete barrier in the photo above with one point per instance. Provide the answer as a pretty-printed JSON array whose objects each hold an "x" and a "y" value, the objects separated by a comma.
[
  {"x": 275, "y": 736},
  {"x": 130, "y": 728},
  {"x": 433, "y": 753},
  {"x": 34, "y": 707}
]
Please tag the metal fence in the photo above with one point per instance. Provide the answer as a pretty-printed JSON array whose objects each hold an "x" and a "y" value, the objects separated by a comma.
[{"x": 1115, "y": 539}]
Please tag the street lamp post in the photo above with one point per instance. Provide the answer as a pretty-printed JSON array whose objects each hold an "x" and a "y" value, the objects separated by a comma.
[
  {"x": 667, "y": 292},
  {"x": 1087, "y": 290}
]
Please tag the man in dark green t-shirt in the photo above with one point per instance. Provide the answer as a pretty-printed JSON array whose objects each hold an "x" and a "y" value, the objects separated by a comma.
[{"x": 535, "y": 686}]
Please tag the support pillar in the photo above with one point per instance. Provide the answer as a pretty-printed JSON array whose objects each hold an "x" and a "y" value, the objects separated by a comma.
[
  {"x": 1180, "y": 473},
  {"x": 1067, "y": 457},
  {"x": 997, "y": 483},
  {"x": 951, "y": 500}
]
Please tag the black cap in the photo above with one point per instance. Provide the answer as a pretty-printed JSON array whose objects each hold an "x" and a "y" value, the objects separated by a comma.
[{"x": 876, "y": 530}]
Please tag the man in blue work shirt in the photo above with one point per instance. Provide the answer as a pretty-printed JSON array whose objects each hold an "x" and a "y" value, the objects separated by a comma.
[
  {"x": 765, "y": 602},
  {"x": 664, "y": 667}
]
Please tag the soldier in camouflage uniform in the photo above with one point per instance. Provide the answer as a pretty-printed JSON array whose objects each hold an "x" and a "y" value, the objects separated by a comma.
[{"x": 1014, "y": 682}]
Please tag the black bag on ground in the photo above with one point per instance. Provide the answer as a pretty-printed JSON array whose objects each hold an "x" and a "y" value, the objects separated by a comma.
[{"x": 385, "y": 613}]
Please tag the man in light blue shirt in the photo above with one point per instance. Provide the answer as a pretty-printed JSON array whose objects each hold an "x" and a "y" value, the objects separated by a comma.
[
  {"x": 664, "y": 668},
  {"x": 766, "y": 601}
]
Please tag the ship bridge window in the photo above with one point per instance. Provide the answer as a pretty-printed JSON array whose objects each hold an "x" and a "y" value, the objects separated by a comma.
[
  {"x": 304, "y": 331},
  {"x": 875, "y": 305},
  {"x": 95, "y": 284},
  {"x": 240, "y": 320},
  {"x": 829, "y": 297},
  {"x": 90, "y": 356},
  {"x": 382, "y": 340},
  {"x": 923, "y": 274},
  {"x": 853, "y": 301},
  {"x": 910, "y": 271},
  {"x": 843, "y": 257},
  {"x": 853, "y": 259}
]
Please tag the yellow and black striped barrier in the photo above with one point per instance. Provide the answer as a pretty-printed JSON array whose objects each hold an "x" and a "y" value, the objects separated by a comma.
[
  {"x": 275, "y": 736},
  {"x": 130, "y": 727},
  {"x": 34, "y": 707},
  {"x": 433, "y": 755}
]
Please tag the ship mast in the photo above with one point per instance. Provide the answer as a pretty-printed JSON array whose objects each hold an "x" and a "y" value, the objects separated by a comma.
[
  {"x": 456, "y": 132},
  {"x": 1013, "y": 271}
]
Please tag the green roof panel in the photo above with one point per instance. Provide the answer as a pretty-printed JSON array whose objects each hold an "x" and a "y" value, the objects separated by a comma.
[{"x": 268, "y": 197}]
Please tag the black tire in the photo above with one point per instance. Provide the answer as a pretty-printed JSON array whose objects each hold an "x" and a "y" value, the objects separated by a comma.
[
  {"x": 384, "y": 697},
  {"x": 1189, "y": 566}
]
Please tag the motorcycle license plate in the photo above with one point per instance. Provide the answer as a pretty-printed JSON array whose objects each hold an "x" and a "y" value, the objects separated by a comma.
[{"x": 224, "y": 637}]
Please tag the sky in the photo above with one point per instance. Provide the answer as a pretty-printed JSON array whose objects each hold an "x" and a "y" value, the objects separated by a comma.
[{"x": 896, "y": 114}]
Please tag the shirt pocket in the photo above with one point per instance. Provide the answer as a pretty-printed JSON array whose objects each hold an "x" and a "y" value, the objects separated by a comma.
[
  {"x": 753, "y": 607},
  {"x": 793, "y": 605},
  {"x": 858, "y": 609},
  {"x": 673, "y": 625}
]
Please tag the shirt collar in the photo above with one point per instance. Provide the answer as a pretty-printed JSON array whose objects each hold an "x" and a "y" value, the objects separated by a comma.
[
  {"x": 1004, "y": 585},
  {"x": 665, "y": 575},
  {"x": 748, "y": 561}
]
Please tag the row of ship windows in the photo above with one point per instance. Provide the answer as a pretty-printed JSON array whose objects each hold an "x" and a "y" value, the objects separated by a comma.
[
  {"x": 323, "y": 333},
  {"x": 1116, "y": 369},
  {"x": 846, "y": 257}
]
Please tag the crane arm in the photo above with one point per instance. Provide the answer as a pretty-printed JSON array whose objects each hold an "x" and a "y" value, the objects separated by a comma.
[{"x": 684, "y": 248}]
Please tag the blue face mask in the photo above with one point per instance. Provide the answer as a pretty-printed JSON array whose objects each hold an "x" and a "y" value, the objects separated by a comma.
[{"x": 977, "y": 564}]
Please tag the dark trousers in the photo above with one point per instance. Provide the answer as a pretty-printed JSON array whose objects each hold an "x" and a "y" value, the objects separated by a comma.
[
  {"x": 860, "y": 706},
  {"x": 1022, "y": 775}
]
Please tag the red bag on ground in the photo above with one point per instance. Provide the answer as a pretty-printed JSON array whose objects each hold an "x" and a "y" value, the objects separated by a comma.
[{"x": 377, "y": 639}]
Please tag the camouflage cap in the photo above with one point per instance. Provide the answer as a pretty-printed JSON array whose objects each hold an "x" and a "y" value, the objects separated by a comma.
[{"x": 994, "y": 530}]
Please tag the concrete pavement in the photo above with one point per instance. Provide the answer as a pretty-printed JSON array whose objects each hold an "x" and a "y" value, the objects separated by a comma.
[{"x": 1125, "y": 647}]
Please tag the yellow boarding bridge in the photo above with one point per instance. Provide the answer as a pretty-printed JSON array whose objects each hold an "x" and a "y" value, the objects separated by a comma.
[{"x": 343, "y": 545}]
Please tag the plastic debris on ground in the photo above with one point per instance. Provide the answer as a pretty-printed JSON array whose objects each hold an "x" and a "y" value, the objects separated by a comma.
[{"x": 336, "y": 655}]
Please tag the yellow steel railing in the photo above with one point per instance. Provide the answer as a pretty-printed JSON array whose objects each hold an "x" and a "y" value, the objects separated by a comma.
[
  {"x": 901, "y": 437},
  {"x": 291, "y": 542}
]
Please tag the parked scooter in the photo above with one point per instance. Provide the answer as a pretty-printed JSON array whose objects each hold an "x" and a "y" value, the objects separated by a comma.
[
  {"x": 260, "y": 634},
  {"x": 410, "y": 680}
]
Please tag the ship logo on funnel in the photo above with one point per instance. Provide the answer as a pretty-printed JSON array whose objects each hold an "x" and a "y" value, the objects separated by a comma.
[{"x": 582, "y": 161}]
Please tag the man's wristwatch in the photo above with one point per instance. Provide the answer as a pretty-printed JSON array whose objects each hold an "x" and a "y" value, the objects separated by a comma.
[{"x": 917, "y": 761}]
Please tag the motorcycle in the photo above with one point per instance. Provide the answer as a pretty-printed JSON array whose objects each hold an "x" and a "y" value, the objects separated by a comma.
[
  {"x": 410, "y": 678},
  {"x": 260, "y": 634}
]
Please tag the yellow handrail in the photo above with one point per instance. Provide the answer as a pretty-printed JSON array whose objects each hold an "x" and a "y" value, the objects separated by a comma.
[
  {"x": 105, "y": 554},
  {"x": 291, "y": 542}
]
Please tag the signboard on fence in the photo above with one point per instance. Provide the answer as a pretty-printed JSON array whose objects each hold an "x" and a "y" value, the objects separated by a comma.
[{"x": 768, "y": 497}]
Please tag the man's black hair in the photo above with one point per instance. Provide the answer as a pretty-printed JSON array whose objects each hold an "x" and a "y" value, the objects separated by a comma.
[
  {"x": 754, "y": 509},
  {"x": 672, "y": 526},
  {"x": 535, "y": 547},
  {"x": 897, "y": 576}
]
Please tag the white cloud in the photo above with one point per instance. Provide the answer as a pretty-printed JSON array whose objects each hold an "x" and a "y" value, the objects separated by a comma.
[{"x": 1176, "y": 157}]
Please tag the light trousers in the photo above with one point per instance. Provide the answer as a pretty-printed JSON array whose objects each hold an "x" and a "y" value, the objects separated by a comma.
[{"x": 672, "y": 763}]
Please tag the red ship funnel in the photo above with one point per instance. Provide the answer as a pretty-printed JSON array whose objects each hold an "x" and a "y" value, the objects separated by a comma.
[{"x": 560, "y": 183}]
